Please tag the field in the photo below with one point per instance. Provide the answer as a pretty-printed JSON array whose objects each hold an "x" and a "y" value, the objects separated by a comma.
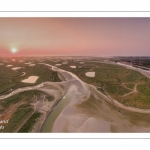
[
  {"x": 129, "y": 87},
  {"x": 23, "y": 110},
  {"x": 19, "y": 110},
  {"x": 28, "y": 126},
  {"x": 11, "y": 79}
]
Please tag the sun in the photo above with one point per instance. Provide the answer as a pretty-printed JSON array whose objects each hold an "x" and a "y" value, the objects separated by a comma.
[{"x": 13, "y": 50}]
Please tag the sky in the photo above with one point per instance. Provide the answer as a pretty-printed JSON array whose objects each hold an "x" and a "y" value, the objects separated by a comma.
[{"x": 75, "y": 36}]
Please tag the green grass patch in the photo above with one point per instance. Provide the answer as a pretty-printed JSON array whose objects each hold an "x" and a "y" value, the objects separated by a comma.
[
  {"x": 11, "y": 79},
  {"x": 130, "y": 85},
  {"x": 28, "y": 126},
  {"x": 111, "y": 77},
  {"x": 17, "y": 119}
]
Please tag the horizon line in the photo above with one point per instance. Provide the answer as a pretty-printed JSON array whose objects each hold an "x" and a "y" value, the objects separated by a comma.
[{"x": 74, "y": 56}]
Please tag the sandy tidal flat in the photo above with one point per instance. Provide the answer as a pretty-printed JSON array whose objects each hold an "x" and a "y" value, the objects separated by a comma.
[{"x": 91, "y": 111}]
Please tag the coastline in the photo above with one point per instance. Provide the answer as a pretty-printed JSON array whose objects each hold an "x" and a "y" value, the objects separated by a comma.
[{"x": 81, "y": 92}]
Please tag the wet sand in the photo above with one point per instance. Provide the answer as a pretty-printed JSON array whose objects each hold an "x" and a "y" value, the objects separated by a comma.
[{"x": 96, "y": 114}]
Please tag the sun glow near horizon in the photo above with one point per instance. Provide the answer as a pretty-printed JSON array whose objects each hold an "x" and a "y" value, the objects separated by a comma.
[
  {"x": 75, "y": 36},
  {"x": 13, "y": 50}
]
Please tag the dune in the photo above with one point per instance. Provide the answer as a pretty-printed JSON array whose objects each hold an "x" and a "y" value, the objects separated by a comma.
[
  {"x": 27, "y": 63},
  {"x": 21, "y": 61},
  {"x": 81, "y": 62},
  {"x": 9, "y": 65},
  {"x": 90, "y": 74},
  {"x": 57, "y": 64},
  {"x": 65, "y": 63},
  {"x": 31, "y": 65},
  {"x": 16, "y": 68},
  {"x": 73, "y": 67},
  {"x": 31, "y": 79}
]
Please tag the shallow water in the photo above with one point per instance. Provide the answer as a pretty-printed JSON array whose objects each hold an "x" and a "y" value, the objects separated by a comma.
[{"x": 49, "y": 122}]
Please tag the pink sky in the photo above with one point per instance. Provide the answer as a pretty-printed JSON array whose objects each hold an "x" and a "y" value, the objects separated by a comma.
[{"x": 75, "y": 36}]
